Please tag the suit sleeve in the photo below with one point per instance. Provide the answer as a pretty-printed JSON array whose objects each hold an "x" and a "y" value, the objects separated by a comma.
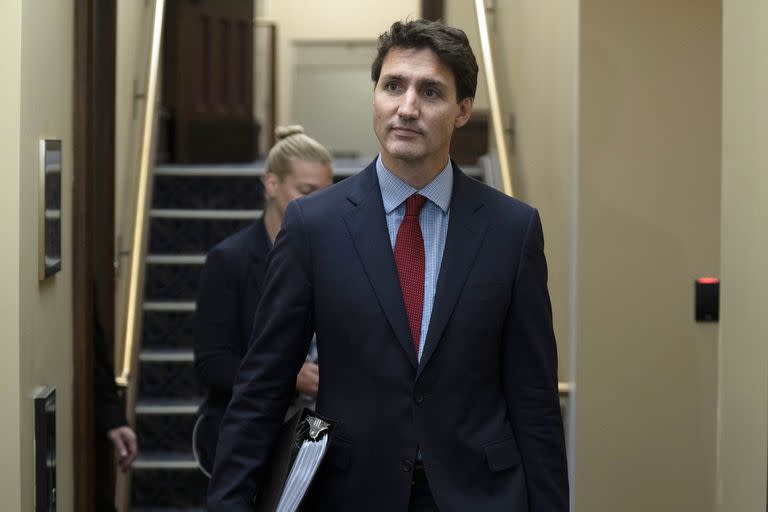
[
  {"x": 218, "y": 307},
  {"x": 109, "y": 409},
  {"x": 266, "y": 381},
  {"x": 530, "y": 379}
]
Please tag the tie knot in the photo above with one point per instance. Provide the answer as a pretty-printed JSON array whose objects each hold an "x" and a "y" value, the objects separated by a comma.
[{"x": 414, "y": 204}]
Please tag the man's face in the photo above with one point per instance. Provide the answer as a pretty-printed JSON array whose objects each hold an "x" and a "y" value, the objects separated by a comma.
[
  {"x": 307, "y": 177},
  {"x": 415, "y": 109}
]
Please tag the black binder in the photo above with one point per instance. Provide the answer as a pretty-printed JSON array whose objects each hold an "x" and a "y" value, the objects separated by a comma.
[{"x": 293, "y": 433}]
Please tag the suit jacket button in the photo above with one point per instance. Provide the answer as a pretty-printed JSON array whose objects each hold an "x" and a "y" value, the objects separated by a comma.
[
  {"x": 406, "y": 466},
  {"x": 418, "y": 397}
]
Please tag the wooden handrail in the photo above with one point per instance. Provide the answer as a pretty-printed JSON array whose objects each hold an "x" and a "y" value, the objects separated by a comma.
[
  {"x": 138, "y": 250},
  {"x": 493, "y": 98},
  {"x": 131, "y": 333}
]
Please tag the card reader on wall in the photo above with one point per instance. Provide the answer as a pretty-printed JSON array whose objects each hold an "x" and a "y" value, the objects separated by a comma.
[{"x": 707, "y": 299}]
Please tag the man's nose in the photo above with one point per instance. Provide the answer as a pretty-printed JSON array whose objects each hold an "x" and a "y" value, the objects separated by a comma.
[{"x": 409, "y": 105}]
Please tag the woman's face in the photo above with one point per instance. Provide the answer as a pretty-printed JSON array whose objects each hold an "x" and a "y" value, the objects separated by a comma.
[{"x": 306, "y": 177}]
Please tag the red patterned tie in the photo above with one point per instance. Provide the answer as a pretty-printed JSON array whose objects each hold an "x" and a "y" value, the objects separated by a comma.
[{"x": 409, "y": 258}]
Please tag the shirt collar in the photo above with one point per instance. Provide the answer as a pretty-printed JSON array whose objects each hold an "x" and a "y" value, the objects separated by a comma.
[{"x": 395, "y": 191}]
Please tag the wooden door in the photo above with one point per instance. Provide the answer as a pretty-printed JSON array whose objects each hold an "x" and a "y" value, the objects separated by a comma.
[{"x": 208, "y": 81}]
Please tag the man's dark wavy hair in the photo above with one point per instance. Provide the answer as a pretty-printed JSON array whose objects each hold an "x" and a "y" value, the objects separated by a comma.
[{"x": 450, "y": 44}]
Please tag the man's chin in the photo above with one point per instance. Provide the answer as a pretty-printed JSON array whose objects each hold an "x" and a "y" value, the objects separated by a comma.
[{"x": 404, "y": 154}]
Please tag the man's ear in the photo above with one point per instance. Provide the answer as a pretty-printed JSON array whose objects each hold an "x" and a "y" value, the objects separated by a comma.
[
  {"x": 270, "y": 180},
  {"x": 465, "y": 111}
]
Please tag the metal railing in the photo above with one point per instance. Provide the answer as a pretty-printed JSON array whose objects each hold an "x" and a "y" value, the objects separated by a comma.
[
  {"x": 502, "y": 148},
  {"x": 131, "y": 303}
]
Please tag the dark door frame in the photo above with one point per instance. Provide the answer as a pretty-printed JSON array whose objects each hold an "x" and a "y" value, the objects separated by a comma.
[
  {"x": 95, "y": 35},
  {"x": 432, "y": 9}
]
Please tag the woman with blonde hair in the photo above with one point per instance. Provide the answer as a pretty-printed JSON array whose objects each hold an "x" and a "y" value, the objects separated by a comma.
[{"x": 230, "y": 284}]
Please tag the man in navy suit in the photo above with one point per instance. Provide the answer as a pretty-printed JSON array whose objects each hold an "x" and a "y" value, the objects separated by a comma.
[{"x": 428, "y": 294}]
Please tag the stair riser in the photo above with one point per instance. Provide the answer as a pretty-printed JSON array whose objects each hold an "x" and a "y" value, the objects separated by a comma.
[
  {"x": 169, "y": 380},
  {"x": 172, "y": 282},
  {"x": 190, "y": 236},
  {"x": 168, "y": 330},
  {"x": 209, "y": 192},
  {"x": 165, "y": 432},
  {"x": 168, "y": 488}
]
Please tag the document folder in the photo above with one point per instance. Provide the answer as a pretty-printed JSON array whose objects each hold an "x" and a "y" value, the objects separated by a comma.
[{"x": 298, "y": 453}]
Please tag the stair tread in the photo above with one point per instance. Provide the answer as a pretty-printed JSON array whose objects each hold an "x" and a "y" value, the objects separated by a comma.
[
  {"x": 254, "y": 169},
  {"x": 170, "y": 355},
  {"x": 166, "y": 455},
  {"x": 168, "y": 401},
  {"x": 193, "y": 213},
  {"x": 165, "y": 460},
  {"x": 175, "y": 259},
  {"x": 168, "y": 406},
  {"x": 169, "y": 305}
]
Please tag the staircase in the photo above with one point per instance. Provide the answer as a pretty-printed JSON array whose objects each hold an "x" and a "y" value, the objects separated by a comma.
[{"x": 193, "y": 208}]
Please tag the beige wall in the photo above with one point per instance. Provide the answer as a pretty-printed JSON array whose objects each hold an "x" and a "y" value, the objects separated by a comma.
[
  {"x": 649, "y": 216},
  {"x": 133, "y": 38},
  {"x": 37, "y": 55},
  {"x": 330, "y": 20},
  {"x": 333, "y": 81},
  {"x": 461, "y": 14},
  {"x": 10, "y": 256},
  {"x": 131, "y": 43},
  {"x": 743, "y": 396},
  {"x": 535, "y": 55}
]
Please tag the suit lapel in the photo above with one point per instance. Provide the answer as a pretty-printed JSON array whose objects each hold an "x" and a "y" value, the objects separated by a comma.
[
  {"x": 257, "y": 248},
  {"x": 259, "y": 240},
  {"x": 367, "y": 225},
  {"x": 466, "y": 229}
]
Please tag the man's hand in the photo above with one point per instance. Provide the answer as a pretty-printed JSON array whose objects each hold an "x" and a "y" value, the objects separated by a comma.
[
  {"x": 308, "y": 379},
  {"x": 126, "y": 449}
]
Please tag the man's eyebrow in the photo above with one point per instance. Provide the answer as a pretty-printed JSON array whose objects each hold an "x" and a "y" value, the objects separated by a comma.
[
  {"x": 428, "y": 82},
  {"x": 390, "y": 77},
  {"x": 425, "y": 82}
]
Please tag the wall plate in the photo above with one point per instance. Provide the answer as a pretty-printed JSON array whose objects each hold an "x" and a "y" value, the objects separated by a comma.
[
  {"x": 49, "y": 238},
  {"x": 45, "y": 450}
]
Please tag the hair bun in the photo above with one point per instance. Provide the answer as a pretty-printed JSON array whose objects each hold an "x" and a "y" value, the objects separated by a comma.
[{"x": 282, "y": 132}]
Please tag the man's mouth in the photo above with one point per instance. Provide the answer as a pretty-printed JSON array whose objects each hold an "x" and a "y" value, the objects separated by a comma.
[{"x": 403, "y": 130}]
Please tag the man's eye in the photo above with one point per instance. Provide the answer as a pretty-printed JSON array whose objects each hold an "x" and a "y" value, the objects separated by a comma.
[
  {"x": 431, "y": 93},
  {"x": 391, "y": 86}
]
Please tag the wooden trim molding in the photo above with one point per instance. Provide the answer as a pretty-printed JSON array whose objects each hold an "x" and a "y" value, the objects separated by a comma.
[{"x": 95, "y": 39}]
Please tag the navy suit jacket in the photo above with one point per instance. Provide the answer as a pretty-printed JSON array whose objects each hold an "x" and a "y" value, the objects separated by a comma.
[
  {"x": 482, "y": 405},
  {"x": 228, "y": 294}
]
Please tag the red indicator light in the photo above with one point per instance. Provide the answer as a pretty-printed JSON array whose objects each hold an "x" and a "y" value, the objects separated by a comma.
[{"x": 707, "y": 280}]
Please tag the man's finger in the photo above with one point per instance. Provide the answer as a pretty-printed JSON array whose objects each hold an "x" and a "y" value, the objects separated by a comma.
[
  {"x": 133, "y": 448},
  {"x": 120, "y": 447}
]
